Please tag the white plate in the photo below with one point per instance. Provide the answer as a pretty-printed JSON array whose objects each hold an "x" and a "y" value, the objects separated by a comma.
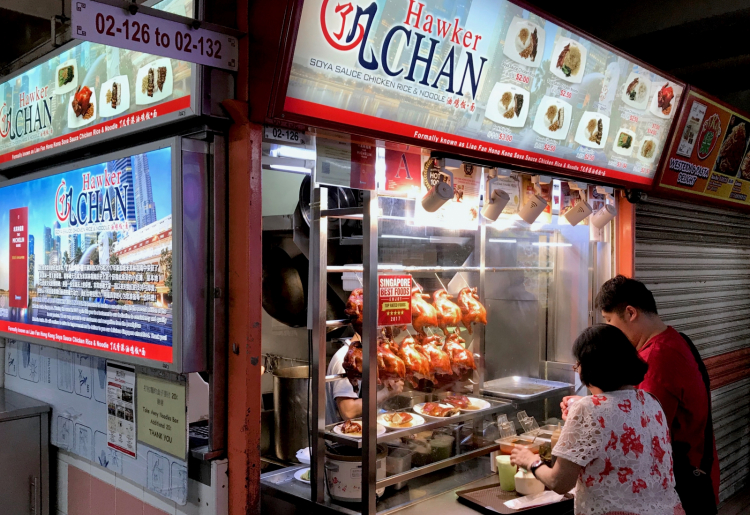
[
  {"x": 75, "y": 122},
  {"x": 640, "y": 146},
  {"x": 337, "y": 430},
  {"x": 493, "y": 111},
  {"x": 637, "y": 104},
  {"x": 578, "y": 76},
  {"x": 623, "y": 151},
  {"x": 541, "y": 123},
  {"x": 105, "y": 108},
  {"x": 476, "y": 405},
  {"x": 70, "y": 86},
  {"x": 142, "y": 98},
  {"x": 582, "y": 134},
  {"x": 415, "y": 421},
  {"x": 654, "y": 107},
  {"x": 418, "y": 409},
  {"x": 298, "y": 475},
  {"x": 510, "y": 49}
]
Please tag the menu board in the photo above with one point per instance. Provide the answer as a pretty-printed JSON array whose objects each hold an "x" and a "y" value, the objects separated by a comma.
[
  {"x": 86, "y": 257},
  {"x": 85, "y": 93},
  {"x": 709, "y": 153},
  {"x": 482, "y": 76}
]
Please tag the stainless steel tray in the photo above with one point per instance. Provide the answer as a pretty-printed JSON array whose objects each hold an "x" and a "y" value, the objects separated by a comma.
[{"x": 524, "y": 388}]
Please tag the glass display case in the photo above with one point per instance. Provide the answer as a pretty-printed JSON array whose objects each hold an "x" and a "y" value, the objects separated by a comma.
[{"x": 508, "y": 299}]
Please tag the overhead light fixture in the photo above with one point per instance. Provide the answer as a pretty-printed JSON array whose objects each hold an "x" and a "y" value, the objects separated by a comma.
[
  {"x": 398, "y": 236},
  {"x": 287, "y": 168},
  {"x": 495, "y": 199},
  {"x": 293, "y": 152},
  {"x": 581, "y": 209},
  {"x": 603, "y": 216},
  {"x": 578, "y": 213},
  {"x": 533, "y": 207},
  {"x": 501, "y": 240},
  {"x": 551, "y": 244},
  {"x": 441, "y": 192}
]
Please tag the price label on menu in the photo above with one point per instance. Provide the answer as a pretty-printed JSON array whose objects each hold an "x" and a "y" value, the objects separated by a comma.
[
  {"x": 523, "y": 79},
  {"x": 114, "y": 26}
]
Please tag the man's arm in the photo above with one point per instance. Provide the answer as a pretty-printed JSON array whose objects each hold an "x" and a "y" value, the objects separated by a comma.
[
  {"x": 660, "y": 381},
  {"x": 350, "y": 408}
]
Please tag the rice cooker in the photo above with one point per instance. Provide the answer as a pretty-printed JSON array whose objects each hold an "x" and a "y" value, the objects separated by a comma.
[{"x": 344, "y": 472}]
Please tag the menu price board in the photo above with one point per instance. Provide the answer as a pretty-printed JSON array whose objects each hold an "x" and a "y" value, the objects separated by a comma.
[
  {"x": 709, "y": 154},
  {"x": 394, "y": 300},
  {"x": 85, "y": 93},
  {"x": 488, "y": 79},
  {"x": 92, "y": 266}
]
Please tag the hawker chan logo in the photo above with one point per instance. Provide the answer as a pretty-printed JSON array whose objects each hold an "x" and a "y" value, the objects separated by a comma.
[{"x": 347, "y": 25}]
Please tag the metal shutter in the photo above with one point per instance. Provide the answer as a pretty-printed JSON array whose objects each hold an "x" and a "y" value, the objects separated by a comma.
[{"x": 696, "y": 261}]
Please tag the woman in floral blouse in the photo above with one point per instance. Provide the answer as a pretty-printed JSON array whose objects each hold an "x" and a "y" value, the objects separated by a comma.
[{"x": 615, "y": 447}]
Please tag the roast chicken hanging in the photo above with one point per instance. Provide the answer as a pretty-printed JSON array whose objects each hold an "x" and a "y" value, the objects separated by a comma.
[
  {"x": 391, "y": 368},
  {"x": 354, "y": 309},
  {"x": 440, "y": 362},
  {"x": 471, "y": 309},
  {"x": 418, "y": 366},
  {"x": 462, "y": 361},
  {"x": 423, "y": 314},
  {"x": 353, "y": 364},
  {"x": 448, "y": 313}
]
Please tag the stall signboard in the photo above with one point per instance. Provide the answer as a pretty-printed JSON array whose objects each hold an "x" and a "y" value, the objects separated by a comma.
[
  {"x": 86, "y": 93},
  {"x": 708, "y": 155},
  {"x": 394, "y": 300},
  {"x": 86, "y": 257},
  {"x": 484, "y": 78}
]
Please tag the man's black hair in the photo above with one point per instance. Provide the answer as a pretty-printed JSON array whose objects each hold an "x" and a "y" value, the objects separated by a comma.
[
  {"x": 608, "y": 360},
  {"x": 620, "y": 292}
]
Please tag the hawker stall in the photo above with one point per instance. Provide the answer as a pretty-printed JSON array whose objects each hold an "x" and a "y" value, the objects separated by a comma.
[{"x": 458, "y": 212}]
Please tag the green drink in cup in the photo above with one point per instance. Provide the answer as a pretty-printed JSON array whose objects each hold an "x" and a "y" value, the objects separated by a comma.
[{"x": 507, "y": 473}]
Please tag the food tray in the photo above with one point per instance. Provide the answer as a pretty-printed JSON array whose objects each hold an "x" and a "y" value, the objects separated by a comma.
[
  {"x": 524, "y": 388},
  {"x": 491, "y": 499}
]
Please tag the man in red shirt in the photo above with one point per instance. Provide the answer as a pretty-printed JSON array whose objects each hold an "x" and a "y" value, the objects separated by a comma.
[{"x": 676, "y": 379}]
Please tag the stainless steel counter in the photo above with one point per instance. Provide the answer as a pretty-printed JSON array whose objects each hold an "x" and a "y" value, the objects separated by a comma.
[
  {"x": 14, "y": 405},
  {"x": 425, "y": 495}
]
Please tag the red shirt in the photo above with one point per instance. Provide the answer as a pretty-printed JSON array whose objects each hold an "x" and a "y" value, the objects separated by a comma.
[{"x": 674, "y": 379}]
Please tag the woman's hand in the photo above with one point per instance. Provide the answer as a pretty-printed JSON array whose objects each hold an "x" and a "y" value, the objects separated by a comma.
[
  {"x": 523, "y": 457},
  {"x": 565, "y": 404}
]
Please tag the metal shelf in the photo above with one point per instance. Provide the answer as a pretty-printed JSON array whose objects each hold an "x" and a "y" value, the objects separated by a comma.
[
  {"x": 349, "y": 213},
  {"x": 396, "y": 268},
  {"x": 497, "y": 406},
  {"x": 432, "y": 467}
]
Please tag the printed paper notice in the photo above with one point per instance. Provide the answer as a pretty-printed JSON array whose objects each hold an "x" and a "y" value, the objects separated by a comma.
[
  {"x": 121, "y": 431},
  {"x": 162, "y": 415}
]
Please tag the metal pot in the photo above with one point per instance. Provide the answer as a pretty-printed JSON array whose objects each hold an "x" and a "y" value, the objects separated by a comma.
[
  {"x": 291, "y": 391},
  {"x": 344, "y": 472}
]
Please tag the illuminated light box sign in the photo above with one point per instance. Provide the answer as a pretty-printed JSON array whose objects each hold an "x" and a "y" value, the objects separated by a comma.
[
  {"x": 708, "y": 155},
  {"x": 85, "y": 93},
  {"x": 86, "y": 257},
  {"x": 489, "y": 78}
]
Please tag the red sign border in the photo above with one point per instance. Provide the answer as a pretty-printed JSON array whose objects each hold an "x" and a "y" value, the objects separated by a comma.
[
  {"x": 163, "y": 109},
  {"x": 153, "y": 351},
  {"x": 304, "y": 110}
]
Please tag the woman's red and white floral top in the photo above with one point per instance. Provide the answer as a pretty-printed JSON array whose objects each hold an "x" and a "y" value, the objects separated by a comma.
[{"x": 621, "y": 440}]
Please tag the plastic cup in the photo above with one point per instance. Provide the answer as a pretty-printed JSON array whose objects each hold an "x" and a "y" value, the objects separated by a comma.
[{"x": 506, "y": 472}]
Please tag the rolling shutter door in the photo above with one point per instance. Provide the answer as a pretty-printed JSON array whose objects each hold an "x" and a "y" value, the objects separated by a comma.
[{"x": 696, "y": 261}]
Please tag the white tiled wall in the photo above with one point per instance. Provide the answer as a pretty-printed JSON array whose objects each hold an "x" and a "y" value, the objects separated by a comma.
[{"x": 202, "y": 499}]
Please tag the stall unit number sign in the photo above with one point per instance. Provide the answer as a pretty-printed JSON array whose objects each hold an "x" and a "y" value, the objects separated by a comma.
[
  {"x": 114, "y": 26},
  {"x": 394, "y": 300}
]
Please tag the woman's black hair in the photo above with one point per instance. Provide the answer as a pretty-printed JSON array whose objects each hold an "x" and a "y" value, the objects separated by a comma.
[{"x": 608, "y": 359}]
